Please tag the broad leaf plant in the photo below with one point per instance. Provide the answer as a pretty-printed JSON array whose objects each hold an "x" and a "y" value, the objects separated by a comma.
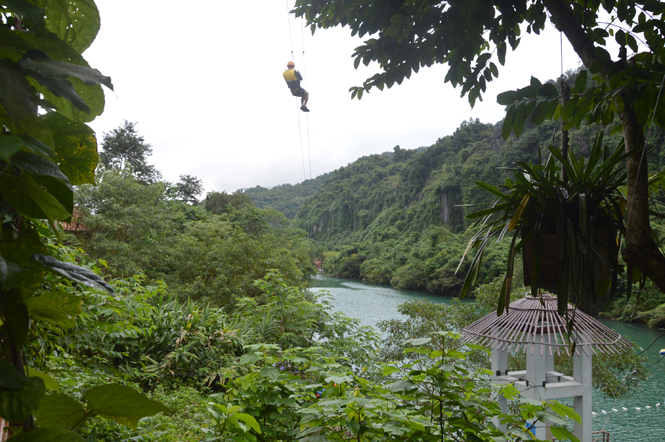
[
  {"x": 584, "y": 211},
  {"x": 474, "y": 39},
  {"x": 48, "y": 93}
]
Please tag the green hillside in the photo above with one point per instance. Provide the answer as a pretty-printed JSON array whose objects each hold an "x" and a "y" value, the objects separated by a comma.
[
  {"x": 286, "y": 198},
  {"x": 400, "y": 219}
]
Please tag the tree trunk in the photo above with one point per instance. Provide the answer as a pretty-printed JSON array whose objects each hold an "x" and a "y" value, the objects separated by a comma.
[{"x": 641, "y": 250}]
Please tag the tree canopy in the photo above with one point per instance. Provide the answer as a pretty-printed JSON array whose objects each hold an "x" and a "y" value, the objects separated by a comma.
[
  {"x": 123, "y": 148},
  {"x": 219, "y": 202},
  {"x": 469, "y": 36},
  {"x": 186, "y": 190},
  {"x": 48, "y": 93}
]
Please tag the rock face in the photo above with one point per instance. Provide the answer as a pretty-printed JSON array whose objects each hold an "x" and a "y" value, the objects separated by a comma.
[
  {"x": 405, "y": 189},
  {"x": 444, "y": 209}
]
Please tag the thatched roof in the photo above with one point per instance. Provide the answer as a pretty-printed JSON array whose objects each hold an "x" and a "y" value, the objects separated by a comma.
[{"x": 535, "y": 320}]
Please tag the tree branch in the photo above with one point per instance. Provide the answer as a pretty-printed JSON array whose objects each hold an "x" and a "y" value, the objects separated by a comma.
[
  {"x": 641, "y": 250},
  {"x": 564, "y": 19}
]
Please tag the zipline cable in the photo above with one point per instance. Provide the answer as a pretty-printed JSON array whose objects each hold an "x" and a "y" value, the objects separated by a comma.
[
  {"x": 304, "y": 69},
  {"x": 302, "y": 150},
  {"x": 309, "y": 152},
  {"x": 288, "y": 19}
]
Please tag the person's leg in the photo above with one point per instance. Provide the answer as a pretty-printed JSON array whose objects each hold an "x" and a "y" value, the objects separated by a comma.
[{"x": 305, "y": 99}]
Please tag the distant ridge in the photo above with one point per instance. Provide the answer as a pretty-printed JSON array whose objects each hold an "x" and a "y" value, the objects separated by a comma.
[{"x": 287, "y": 198}]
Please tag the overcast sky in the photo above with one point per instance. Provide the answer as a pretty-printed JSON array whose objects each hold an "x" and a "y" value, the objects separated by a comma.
[{"x": 204, "y": 83}]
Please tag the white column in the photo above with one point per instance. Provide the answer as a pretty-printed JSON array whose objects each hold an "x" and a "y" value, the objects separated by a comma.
[
  {"x": 537, "y": 365},
  {"x": 499, "y": 362},
  {"x": 499, "y": 368},
  {"x": 582, "y": 374}
]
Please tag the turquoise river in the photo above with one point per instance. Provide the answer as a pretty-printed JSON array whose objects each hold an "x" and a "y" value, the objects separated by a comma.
[{"x": 371, "y": 303}]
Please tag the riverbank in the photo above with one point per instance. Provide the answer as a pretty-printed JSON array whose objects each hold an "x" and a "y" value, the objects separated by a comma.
[{"x": 371, "y": 303}]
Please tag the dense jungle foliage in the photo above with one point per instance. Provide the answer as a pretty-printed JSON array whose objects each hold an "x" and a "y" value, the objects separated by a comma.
[
  {"x": 135, "y": 228},
  {"x": 202, "y": 329},
  {"x": 286, "y": 198},
  {"x": 278, "y": 366},
  {"x": 208, "y": 299},
  {"x": 130, "y": 311},
  {"x": 400, "y": 219}
]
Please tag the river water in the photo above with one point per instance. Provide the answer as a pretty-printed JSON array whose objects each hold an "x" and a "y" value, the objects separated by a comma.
[{"x": 371, "y": 303}]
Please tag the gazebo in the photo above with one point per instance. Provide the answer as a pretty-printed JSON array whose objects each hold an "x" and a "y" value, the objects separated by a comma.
[{"x": 534, "y": 327}]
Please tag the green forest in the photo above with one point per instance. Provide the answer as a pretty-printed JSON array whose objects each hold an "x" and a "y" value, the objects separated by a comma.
[
  {"x": 136, "y": 309},
  {"x": 399, "y": 219},
  {"x": 285, "y": 198}
]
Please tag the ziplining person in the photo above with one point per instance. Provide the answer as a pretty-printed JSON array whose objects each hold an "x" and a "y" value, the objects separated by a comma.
[{"x": 293, "y": 78}]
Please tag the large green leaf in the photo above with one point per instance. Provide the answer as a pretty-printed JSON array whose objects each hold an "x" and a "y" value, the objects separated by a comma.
[
  {"x": 66, "y": 303},
  {"x": 15, "y": 94},
  {"x": 36, "y": 127},
  {"x": 21, "y": 270},
  {"x": 14, "y": 44},
  {"x": 38, "y": 165},
  {"x": 37, "y": 61},
  {"x": 61, "y": 91},
  {"x": 63, "y": 192},
  {"x": 249, "y": 358},
  {"x": 519, "y": 119},
  {"x": 15, "y": 316},
  {"x": 121, "y": 404},
  {"x": 47, "y": 435},
  {"x": 60, "y": 411},
  {"x": 76, "y": 148},
  {"x": 249, "y": 420},
  {"x": 18, "y": 405},
  {"x": 72, "y": 272},
  {"x": 76, "y": 22},
  {"x": 67, "y": 81},
  {"x": 29, "y": 198},
  {"x": 508, "y": 97},
  {"x": 49, "y": 382},
  {"x": 539, "y": 113},
  {"x": 399, "y": 386},
  {"x": 93, "y": 96},
  {"x": 270, "y": 372},
  {"x": 37, "y": 147},
  {"x": 9, "y": 145},
  {"x": 10, "y": 379},
  {"x": 45, "y": 309}
]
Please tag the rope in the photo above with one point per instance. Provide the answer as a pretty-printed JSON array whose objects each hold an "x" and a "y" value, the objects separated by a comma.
[
  {"x": 302, "y": 150},
  {"x": 561, "y": 49},
  {"x": 288, "y": 19},
  {"x": 304, "y": 69},
  {"x": 309, "y": 151},
  {"x": 302, "y": 36}
]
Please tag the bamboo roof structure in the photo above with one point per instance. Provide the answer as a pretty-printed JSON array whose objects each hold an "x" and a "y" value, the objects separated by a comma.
[{"x": 535, "y": 321}]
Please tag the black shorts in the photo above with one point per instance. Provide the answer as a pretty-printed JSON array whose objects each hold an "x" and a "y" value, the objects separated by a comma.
[{"x": 299, "y": 92}]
